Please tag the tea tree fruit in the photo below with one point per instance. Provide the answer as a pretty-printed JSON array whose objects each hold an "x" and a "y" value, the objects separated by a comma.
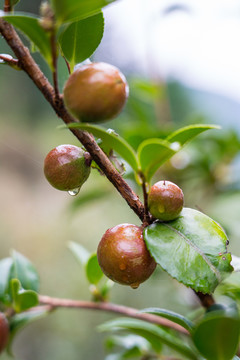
[
  {"x": 95, "y": 92},
  {"x": 4, "y": 332},
  {"x": 123, "y": 255},
  {"x": 67, "y": 167},
  {"x": 165, "y": 200}
]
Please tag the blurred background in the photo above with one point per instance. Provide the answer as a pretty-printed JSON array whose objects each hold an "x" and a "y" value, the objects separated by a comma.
[{"x": 182, "y": 60}]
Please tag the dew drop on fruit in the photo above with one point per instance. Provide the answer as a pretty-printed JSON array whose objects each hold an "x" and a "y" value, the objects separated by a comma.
[
  {"x": 74, "y": 192},
  {"x": 134, "y": 285}
]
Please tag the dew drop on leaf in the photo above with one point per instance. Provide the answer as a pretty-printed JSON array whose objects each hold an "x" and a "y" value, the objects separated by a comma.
[{"x": 175, "y": 146}]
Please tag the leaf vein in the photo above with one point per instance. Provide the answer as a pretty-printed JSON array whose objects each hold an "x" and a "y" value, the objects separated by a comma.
[{"x": 196, "y": 248}]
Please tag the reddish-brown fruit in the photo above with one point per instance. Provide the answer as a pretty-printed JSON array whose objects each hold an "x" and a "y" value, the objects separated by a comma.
[
  {"x": 123, "y": 255},
  {"x": 96, "y": 92},
  {"x": 4, "y": 332},
  {"x": 165, "y": 200},
  {"x": 66, "y": 167}
]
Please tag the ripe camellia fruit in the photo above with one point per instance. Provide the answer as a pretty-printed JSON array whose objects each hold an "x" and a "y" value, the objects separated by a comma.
[
  {"x": 165, "y": 200},
  {"x": 123, "y": 255},
  {"x": 96, "y": 92},
  {"x": 67, "y": 167},
  {"x": 4, "y": 332}
]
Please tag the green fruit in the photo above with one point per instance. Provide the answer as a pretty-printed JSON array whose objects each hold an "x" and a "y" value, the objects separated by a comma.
[
  {"x": 4, "y": 332},
  {"x": 165, "y": 200},
  {"x": 96, "y": 92},
  {"x": 123, "y": 255},
  {"x": 67, "y": 167}
]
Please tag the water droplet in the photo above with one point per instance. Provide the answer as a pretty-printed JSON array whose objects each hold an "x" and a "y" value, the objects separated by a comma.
[
  {"x": 74, "y": 192},
  {"x": 223, "y": 258},
  {"x": 122, "y": 266},
  {"x": 112, "y": 132},
  {"x": 134, "y": 285},
  {"x": 175, "y": 146}
]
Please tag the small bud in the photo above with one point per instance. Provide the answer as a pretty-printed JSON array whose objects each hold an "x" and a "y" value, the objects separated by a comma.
[{"x": 47, "y": 17}]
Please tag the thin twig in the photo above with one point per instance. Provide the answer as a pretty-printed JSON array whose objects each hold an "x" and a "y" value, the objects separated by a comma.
[
  {"x": 205, "y": 299},
  {"x": 109, "y": 307},
  {"x": 147, "y": 216},
  {"x": 10, "y": 61},
  {"x": 33, "y": 71},
  {"x": 54, "y": 63},
  {"x": 31, "y": 68},
  {"x": 68, "y": 65},
  {"x": 7, "y": 6}
]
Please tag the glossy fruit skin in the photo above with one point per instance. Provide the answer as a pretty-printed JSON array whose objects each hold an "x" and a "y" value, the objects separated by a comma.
[
  {"x": 165, "y": 200},
  {"x": 123, "y": 255},
  {"x": 4, "y": 332},
  {"x": 95, "y": 92},
  {"x": 66, "y": 167}
]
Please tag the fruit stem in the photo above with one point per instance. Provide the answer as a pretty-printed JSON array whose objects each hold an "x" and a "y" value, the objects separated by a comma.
[
  {"x": 147, "y": 216},
  {"x": 54, "y": 303}
]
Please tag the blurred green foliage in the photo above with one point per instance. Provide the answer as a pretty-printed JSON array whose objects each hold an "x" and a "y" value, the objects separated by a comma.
[{"x": 39, "y": 221}]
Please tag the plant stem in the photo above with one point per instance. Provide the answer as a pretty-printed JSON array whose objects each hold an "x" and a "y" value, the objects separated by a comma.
[
  {"x": 54, "y": 63},
  {"x": 33, "y": 71},
  {"x": 7, "y": 6},
  {"x": 10, "y": 61},
  {"x": 109, "y": 307},
  {"x": 68, "y": 65},
  {"x": 147, "y": 215},
  {"x": 27, "y": 63},
  {"x": 205, "y": 299}
]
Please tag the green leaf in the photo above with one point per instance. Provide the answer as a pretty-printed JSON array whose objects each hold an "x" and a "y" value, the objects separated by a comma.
[
  {"x": 217, "y": 335},
  {"x": 24, "y": 271},
  {"x": 106, "y": 287},
  {"x": 81, "y": 254},
  {"x": 153, "y": 333},
  {"x": 81, "y": 38},
  {"x": 186, "y": 134},
  {"x": 18, "y": 321},
  {"x": 5, "y": 271},
  {"x": 93, "y": 270},
  {"x": 14, "y": 2},
  {"x": 170, "y": 315},
  {"x": 73, "y": 10},
  {"x": 22, "y": 299},
  {"x": 30, "y": 26},
  {"x": 192, "y": 249},
  {"x": 152, "y": 153},
  {"x": 231, "y": 286},
  {"x": 112, "y": 140},
  {"x": 128, "y": 342}
]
